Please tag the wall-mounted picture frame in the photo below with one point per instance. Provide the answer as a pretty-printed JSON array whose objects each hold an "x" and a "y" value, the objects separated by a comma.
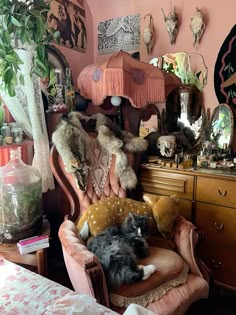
[{"x": 69, "y": 19}]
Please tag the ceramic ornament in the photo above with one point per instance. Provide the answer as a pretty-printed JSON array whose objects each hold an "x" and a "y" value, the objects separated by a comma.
[
  {"x": 197, "y": 26},
  {"x": 148, "y": 34},
  {"x": 172, "y": 24}
]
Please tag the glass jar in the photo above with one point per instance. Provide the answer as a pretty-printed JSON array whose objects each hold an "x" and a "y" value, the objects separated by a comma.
[
  {"x": 21, "y": 214},
  {"x": 17, "y": 134}
]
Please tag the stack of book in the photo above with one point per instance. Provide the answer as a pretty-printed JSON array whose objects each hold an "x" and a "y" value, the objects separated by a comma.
[{"x": 32, "y": 244}]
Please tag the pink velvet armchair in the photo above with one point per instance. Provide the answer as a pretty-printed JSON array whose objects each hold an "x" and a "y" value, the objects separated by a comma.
[{"x": 181, "y": 277}]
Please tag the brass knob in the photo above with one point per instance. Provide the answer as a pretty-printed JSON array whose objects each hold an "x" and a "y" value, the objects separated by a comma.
[
  {"x": 221, "y": 194},
  {"x": 219, "y": 227},
  {"x": 216, "y": 264}
]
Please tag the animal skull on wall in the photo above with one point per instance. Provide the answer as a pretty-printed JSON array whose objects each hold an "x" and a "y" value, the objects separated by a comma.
[
  {"x": 172, "y": 24},
  {"x": 148, "y": 34},
  {"x": 197, "y": 26}
]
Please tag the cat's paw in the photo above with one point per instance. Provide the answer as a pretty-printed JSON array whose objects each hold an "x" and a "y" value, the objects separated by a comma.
[
  {"x": 85, "y": 231},
  {"x": 148, "y": 271},
  {"x": 140, "y": 267}
]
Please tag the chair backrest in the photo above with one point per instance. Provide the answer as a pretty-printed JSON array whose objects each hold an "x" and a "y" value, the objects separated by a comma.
[{"x": 80, "y": 200}]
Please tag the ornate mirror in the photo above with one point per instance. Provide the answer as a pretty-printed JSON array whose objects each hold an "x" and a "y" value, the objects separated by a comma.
[
  {"x": 222, "y": 126},
  {"x": 185, "y": 113},
  {"x": 189, "y": 67}
]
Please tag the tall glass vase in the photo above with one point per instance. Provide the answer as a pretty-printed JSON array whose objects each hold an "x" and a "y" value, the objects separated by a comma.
[{"x": 21, "y": 214}]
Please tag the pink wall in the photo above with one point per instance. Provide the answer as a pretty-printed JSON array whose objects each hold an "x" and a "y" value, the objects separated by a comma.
[
  {"x": 78, "y": 60},
  {"x": 220, "y": 18}
]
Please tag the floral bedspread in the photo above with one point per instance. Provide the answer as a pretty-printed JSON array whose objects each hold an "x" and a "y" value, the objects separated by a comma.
[{"x": 25, "y": 292}]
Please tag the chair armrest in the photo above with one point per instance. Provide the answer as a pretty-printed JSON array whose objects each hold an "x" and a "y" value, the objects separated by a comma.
[
  {"x": 186, "y": 238},
  {"x": 84, "y": 269}
]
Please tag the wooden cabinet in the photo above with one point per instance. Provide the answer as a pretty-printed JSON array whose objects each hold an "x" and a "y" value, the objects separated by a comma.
[
  {"x": 162, "y": 182},
  {"x": 209, "y": 200}
]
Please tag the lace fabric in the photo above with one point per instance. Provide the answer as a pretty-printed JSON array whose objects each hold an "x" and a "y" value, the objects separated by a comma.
[
  {"x": 153, "y": 295},
  {"x": 100, "y": 161},
  {"x": 27, "y": 109}
]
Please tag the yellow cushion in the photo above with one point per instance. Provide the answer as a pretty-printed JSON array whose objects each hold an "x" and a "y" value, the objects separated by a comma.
[{"x": 171, "y": 271}]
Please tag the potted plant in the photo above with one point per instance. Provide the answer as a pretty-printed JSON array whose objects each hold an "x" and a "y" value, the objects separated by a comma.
[{"x": 23, "y": 26}]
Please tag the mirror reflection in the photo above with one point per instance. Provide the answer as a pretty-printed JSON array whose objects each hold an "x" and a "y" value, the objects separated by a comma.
[
  {"x": 185, "y": 112},
  {"x": 150, "y": 120},
  {"x": 222, "y": 126},
  {"x": 189, "y": 67}
]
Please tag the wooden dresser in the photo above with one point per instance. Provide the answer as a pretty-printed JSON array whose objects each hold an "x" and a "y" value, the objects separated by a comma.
[{"x": 208, "y": 199}]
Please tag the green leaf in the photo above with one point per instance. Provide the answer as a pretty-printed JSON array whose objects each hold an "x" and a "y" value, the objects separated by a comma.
[
  {"x": 11, "y": 89},
  {"x": 21, "y": 79},
  {"x": 41, "y": 52},
  {"x": 8, "y": 76},
  {"x": 15, "y": 22},
  {"x": 56, "y": 35},
  {"x": 2, "y": 53},
  {"x": 11, "y": 57},
  {"x": 41, "y": 65}
]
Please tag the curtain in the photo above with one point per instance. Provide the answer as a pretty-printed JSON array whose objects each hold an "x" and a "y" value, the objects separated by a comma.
[{"x": 27, "y": 109}]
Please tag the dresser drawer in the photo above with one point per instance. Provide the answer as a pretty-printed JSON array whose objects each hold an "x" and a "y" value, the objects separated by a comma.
[
  {"x": 222, "y": 263},
  {"x": 165, "y": 183},
  {"x": 217, "y": 223},
  {"x": 216, "y": 191}
]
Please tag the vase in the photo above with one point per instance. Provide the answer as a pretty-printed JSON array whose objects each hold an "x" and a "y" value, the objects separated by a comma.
[{"x": 21, "y": 214}]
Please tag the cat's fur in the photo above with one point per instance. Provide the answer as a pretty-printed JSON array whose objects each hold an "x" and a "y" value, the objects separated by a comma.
[{"x": 118, "y": 247}]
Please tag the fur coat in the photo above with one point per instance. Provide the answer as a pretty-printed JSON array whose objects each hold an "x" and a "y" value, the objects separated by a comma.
[{"x": 73, "y": 144}]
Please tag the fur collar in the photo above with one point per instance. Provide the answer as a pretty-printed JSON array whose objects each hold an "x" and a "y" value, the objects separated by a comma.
[{"x": 73, "y": 143}]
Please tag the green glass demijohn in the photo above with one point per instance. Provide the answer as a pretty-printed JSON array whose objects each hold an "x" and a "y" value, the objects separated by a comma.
[{"x": 21, "y": 214}]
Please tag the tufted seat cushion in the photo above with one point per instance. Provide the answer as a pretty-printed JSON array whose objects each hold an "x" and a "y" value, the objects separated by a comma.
[{"x": 171, "y": 272}]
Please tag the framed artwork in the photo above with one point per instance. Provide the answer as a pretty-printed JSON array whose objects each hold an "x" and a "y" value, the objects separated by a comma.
[
  {"x": 69, "y": 19},
  {"x": 225, "y": 70},
  {"x": 117, "y": 34}
]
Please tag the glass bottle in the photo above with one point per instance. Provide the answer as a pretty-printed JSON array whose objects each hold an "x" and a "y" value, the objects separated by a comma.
[
  {"x": 69, "y": 91},
  {"x": 5, "y": 130},
  {"x": 21, "y": 214}
]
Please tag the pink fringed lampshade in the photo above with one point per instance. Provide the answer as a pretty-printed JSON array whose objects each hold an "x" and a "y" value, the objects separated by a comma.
[{"x": 122, "y": 75}]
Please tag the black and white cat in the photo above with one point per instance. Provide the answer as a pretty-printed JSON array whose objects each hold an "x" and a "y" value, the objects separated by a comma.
[{"x": 118, "y": 247}]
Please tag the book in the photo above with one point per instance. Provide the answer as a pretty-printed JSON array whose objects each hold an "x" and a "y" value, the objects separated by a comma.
[
  {"x": 29, "y": 249},
  {"x": 33, "y": 241}
]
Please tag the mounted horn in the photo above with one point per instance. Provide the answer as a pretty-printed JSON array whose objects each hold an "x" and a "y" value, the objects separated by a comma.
[
  {"x": 172, "y": 24},
  {"x": 148, "y": 34},
  {"x": 197, "y": 26}
]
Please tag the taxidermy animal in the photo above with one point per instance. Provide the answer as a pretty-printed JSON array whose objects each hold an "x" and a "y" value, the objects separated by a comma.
[
  {"x": 161, "y": 211},
  {"x": 197, "y": 26},
  {"x": 172, "y": 24},
  {"x": 148, "y": 34},
  {"x": 117, "y": 249}
]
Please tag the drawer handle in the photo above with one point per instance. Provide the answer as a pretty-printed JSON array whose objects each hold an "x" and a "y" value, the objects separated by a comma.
[
  {"x": 219, "y": 227},
  {"x": 216, "y": 264},
  {"x": 222, "y": 194}
]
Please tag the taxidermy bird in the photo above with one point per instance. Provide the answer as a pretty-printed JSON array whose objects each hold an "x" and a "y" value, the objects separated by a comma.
[
  {"x": 197, "y": 26},
  {"x": 148, "y": 34}
]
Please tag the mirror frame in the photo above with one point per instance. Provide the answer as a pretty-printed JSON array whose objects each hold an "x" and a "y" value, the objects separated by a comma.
[{"x": 216, "y": 109}]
